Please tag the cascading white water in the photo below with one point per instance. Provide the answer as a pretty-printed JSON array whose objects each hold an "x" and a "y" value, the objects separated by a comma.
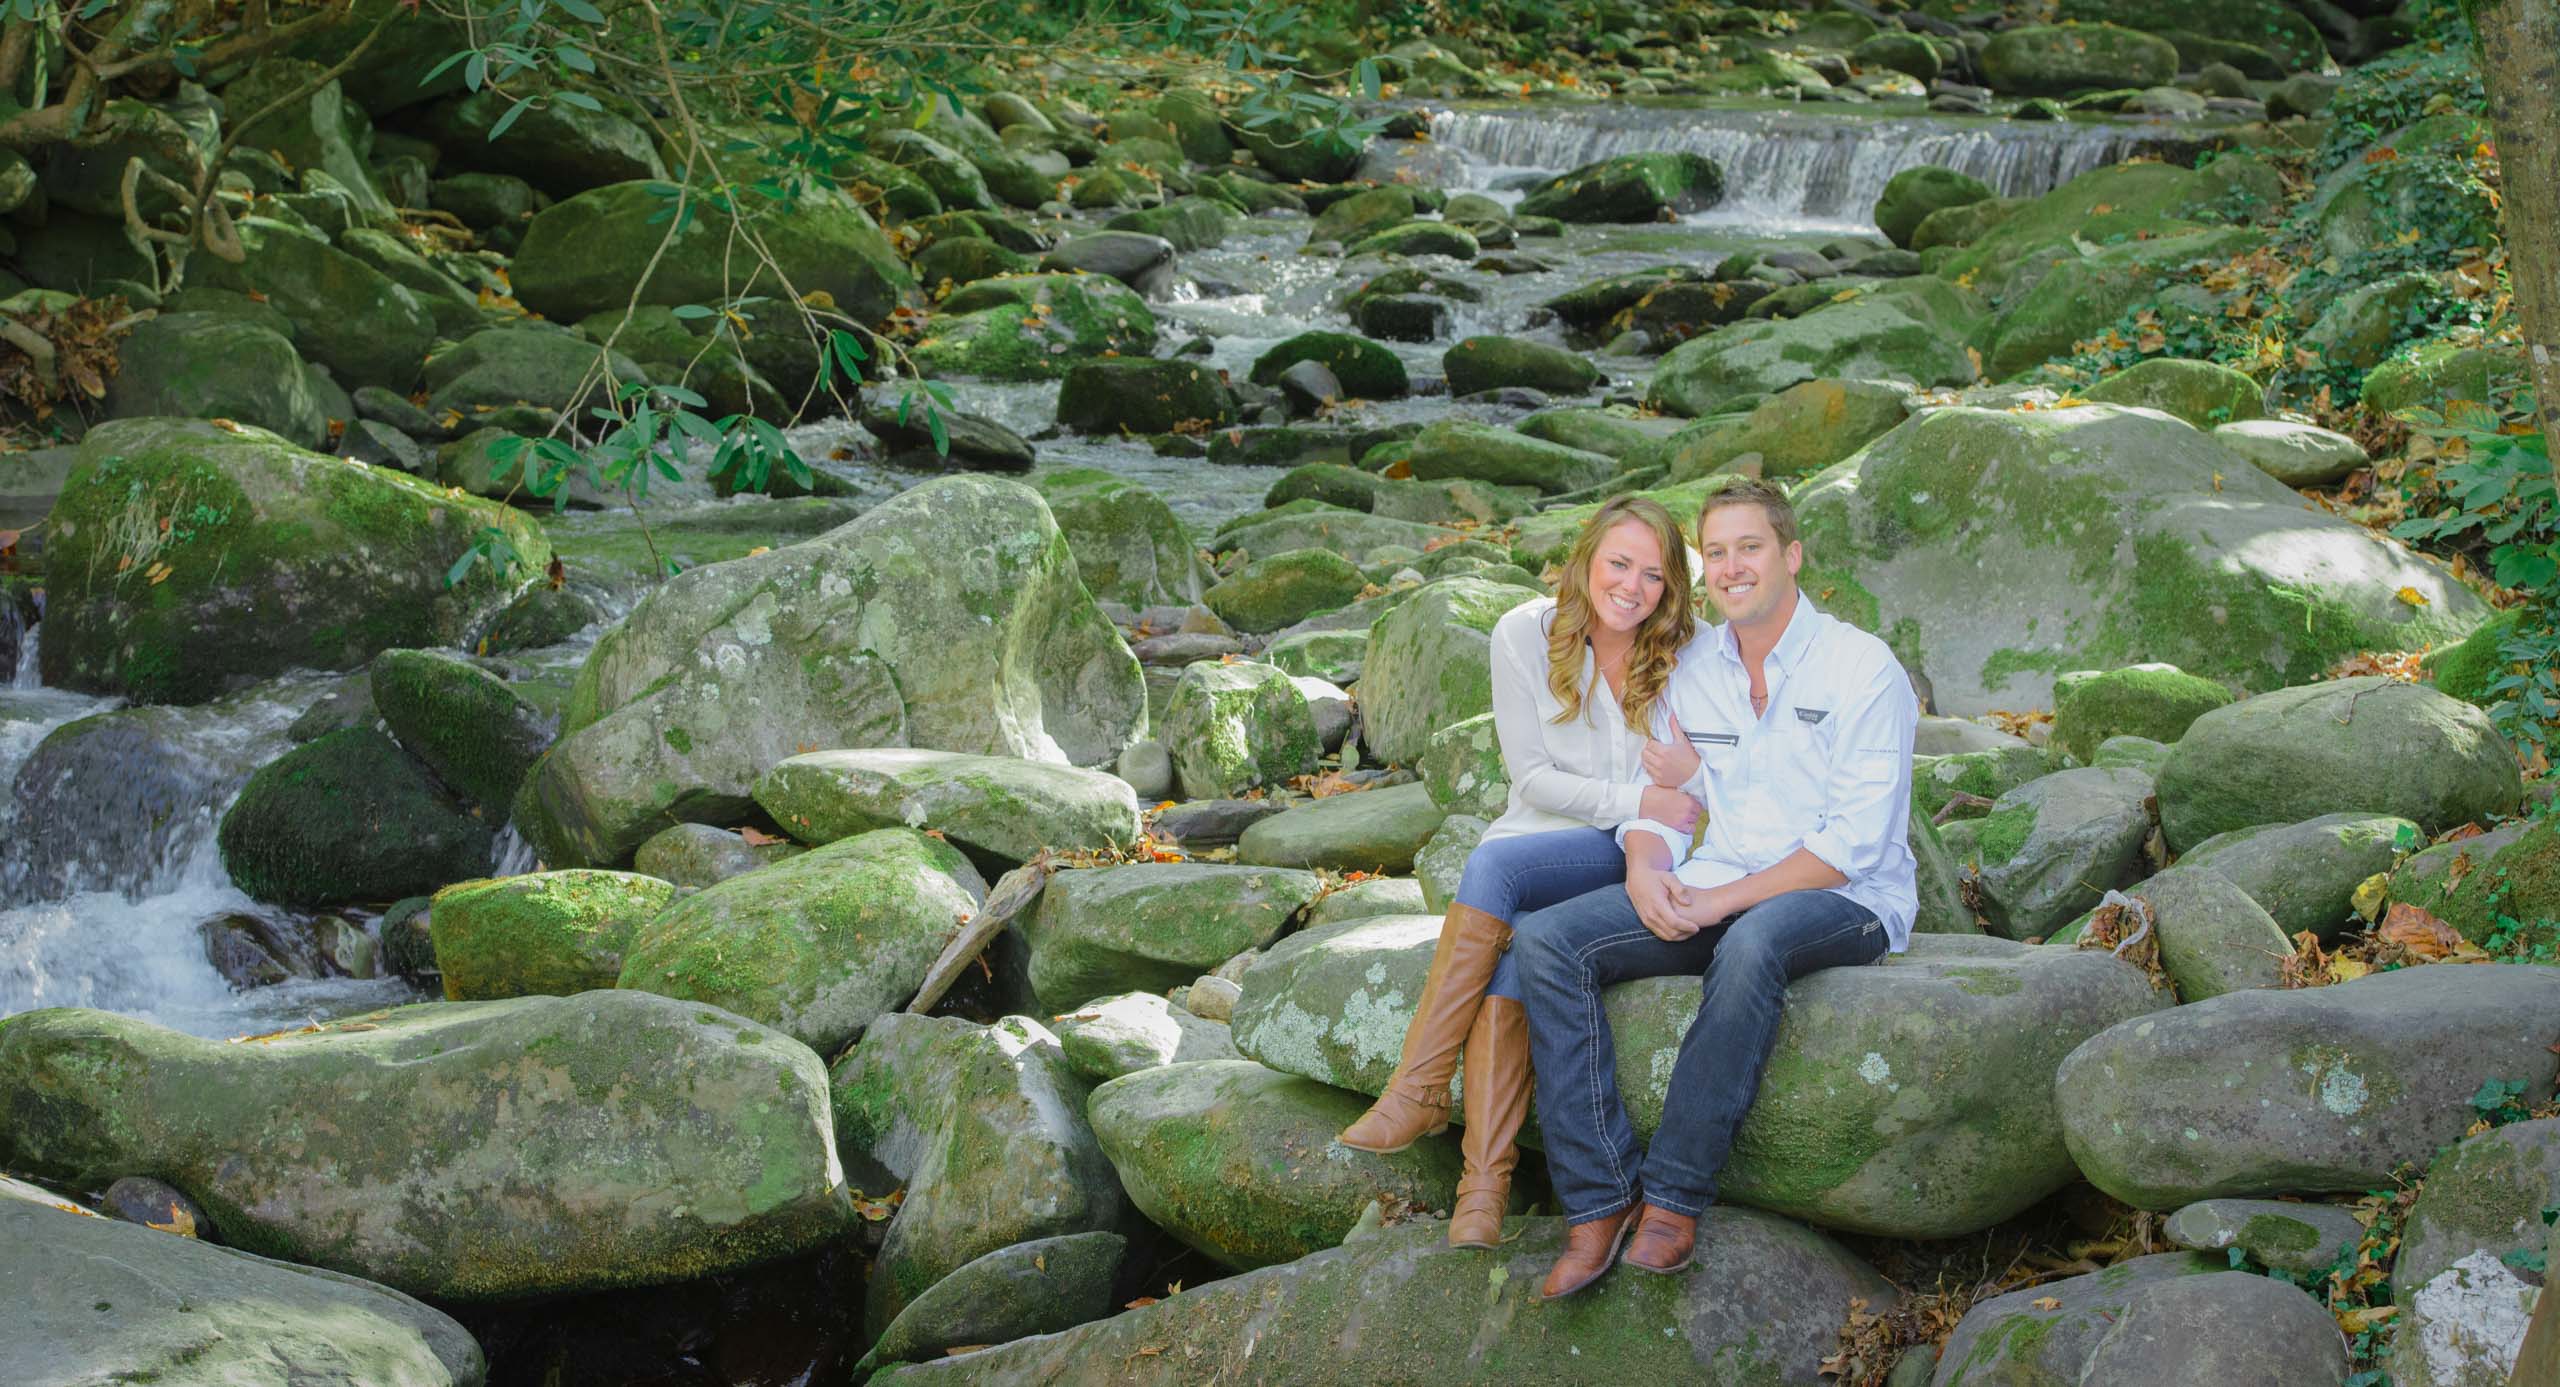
[{"x": 1795, "y": 165}]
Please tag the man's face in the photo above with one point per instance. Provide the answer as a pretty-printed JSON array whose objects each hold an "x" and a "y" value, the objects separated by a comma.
[{"x": 1750, "y": 576}]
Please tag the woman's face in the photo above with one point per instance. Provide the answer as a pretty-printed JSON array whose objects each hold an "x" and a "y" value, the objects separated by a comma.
[{"x": 1626, "y": 577}]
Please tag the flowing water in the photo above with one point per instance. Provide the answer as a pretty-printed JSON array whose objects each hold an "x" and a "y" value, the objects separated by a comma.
[{"x": 108, "y": 862}]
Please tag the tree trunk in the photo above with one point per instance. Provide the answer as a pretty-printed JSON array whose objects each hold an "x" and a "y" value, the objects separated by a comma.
[
  {"x": 2539, "y": 1364},
  {"x": 2520, "y": 56}
]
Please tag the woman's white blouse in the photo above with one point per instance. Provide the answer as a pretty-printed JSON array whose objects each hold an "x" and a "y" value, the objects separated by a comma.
[{"x": 1586, "y": 773}]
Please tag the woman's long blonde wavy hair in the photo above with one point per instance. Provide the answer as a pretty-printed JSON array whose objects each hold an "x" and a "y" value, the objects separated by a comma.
[{"x": 1657, "y": 641}]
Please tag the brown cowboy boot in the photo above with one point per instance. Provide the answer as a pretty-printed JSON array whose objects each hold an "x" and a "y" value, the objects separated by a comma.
[
  {"x": 1497, "y": 1101},
  {"x": 1416, "y": 1103},
  {"x": 1665, "y": 1243},
  {"x": 1589, "y": 1249}
]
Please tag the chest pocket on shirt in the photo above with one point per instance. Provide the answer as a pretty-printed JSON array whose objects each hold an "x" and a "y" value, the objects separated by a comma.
[
  {"x": 1794, "y": 749},
  {"x": 1719, "y": 751}
]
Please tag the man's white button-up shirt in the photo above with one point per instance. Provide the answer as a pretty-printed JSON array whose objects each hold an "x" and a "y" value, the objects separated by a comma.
[{"x": 1826, "y": 768}]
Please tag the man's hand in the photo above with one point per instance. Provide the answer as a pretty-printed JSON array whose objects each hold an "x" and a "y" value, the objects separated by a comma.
[
  {"x": 1711, "y": 906},
  {"x": 1670, "y": 764},
  {"x": 1662, "y": 903},
  {"x": 1669, "y": 808}
]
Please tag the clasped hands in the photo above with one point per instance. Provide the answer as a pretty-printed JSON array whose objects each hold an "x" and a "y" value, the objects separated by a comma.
[{"x": 1670, "y": 908}]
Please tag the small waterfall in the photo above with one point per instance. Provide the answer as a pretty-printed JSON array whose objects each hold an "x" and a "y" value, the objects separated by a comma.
[
  {"x": 22, "y": 673},
  {"x": 1791, "y": 165}
]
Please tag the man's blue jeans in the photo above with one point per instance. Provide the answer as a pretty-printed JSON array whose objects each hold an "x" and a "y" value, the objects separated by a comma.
[{"x": 1567, "y": 953}]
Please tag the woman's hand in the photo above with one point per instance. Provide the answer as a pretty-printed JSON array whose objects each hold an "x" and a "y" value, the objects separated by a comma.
[
  {"x": 1670, "y": 764},
  {"x": 1661, "y": 902},
  {"x": 1669, "y": 808}
]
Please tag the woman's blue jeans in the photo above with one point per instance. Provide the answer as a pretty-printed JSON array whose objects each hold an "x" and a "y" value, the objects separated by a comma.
[{"x": 1509, "y": 877}]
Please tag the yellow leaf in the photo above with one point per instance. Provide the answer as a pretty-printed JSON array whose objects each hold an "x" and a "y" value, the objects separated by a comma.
[
  {"x": 2347, "y": 969},
  {"x": 2369, "y": 896},
  {"x": 2411, "y": 596},
  {"x": 1844, "y": 296},
  {"x": 2046, "y": 1302},
  {"x": 2409, "y": 237}
]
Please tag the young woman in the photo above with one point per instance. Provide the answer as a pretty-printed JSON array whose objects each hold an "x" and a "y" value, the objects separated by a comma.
[{"x": 1574, "y": 682}]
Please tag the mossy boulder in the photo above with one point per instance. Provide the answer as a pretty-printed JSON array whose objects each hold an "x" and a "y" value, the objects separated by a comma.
[
  {"x": 1239, "y": 1161},
  {"x": 1363, "y": 214},
  {"x": 984, "y": 1127},
  {"x": 348, "y": 818},
  {"x": 1430, "y": 664},
  {"x": 2305, "y": 874},
  {"x": 544, "y": 934},
  {"x": 347, "y": 315},
  {"x": 2367, "y": 742},
  {"x": 1376, "y": 831},
  {"x": 1419, "y": 238},
  {"x": 818, "y": 946},
  {"x": 502, "y": 366},
  {"x": 2433, "y": 374},
  {"x": 2518, "y": 884},
  {"x": 2213, "y": 938},
  {"x": 2066, "y": 59},
  {"x": 1495, "y": 363},
  {"x": 1285, "y": 589},
  {"x": 2084, "y": 296},
  {"x": 215, "y": 366},
  {"x": 949, "y": 617},
  {"x": 496, "y": 1147},
  {"x": 1911, "y": 330},
  {"x": 698, "y": 855},
  {"x": 1989, "y": 773},
  {"x": 1034, "y": 327},
  {"x": 1853, "y": 1128},
  {"x": 2203, "y": 393},
  {"x": 2051, "y": 847},
  {"x": 998, "y": 809},
  {"x": 1143, "y": 395},
  {"x": 1189, "y": 223},
  {"x": 1464, "y": 449},
  {"x": 1040, "y": 1286},
  {"x": 2106, "y": 206},
  {"x": 474, "y": 731},
  {"x": 2280, "y": 31},
  {"x": 1911, "y": 195},
  {"x": 1154, "y": 925},
  {"x": 2471, "y": 1236},
  {"x": 557, "y": 146},
  {"x": 2264, "y": 1092},
  {"x": 2155, "y": 701},
  {"x": 1366, "y": 369},
  {"x": 1128, "y": 544},
  {"x": 1796, "y": 432},
  {"x": 104, "y": 1299},
  {"x": 1463, "y": 771},
  {"x": 1629, "y": 188},
  {"x": 1111, "y": 1036},
  {"x": 2168, "y": 1317},
  {"x": 1233, "y": 727},
  {"x": 1999, "y": 549},
  {"x": 2281, "y": 1235},
  {"x": 587, "y": 254},
  {"x": 187, "y": 558}
]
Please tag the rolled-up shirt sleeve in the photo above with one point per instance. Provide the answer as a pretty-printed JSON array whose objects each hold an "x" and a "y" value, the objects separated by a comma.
[
  {"x": 1867, "y": 793},
  {"x": 1526, "y": 751},
  {"x": 1672, "y": 838}
]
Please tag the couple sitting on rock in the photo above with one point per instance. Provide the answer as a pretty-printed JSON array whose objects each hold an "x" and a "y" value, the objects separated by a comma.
[{"x": 1621, "y": 723}]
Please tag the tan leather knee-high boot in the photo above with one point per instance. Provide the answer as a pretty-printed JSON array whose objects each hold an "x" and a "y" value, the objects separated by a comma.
[
  {"x": 1416, "y": 1103},
  {"x": 1497, "y": 1103}
]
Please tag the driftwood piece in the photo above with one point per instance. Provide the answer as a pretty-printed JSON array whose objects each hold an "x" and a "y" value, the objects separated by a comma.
[{"x": 1013, "y": 894}]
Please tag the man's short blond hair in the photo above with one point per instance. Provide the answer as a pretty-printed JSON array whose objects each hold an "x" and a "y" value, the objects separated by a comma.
[{"x": 1751, "y": 491}]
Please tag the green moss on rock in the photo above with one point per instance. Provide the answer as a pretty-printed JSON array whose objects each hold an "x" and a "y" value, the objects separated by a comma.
[
  {"x": 348, "y": 818},
  {"x": 547, "y": 934}
]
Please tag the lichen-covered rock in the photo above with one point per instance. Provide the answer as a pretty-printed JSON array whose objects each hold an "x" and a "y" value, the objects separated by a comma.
[
  {"x": 1040, "y": 1286},
  {"x": 477, "y": 734},
  {"x": 1240, "y": 1161},
  {"x": 1234, "y": 726},
  {"x": 1111, "y": 1036},
  {"x": 699, "y": 855},
  {"x": 1995, "y": 550},
  {"x": 2051, "y": 847},
  {"x": 347, "y": 818},
  {"x": 464, "y": 1150},
  {"x": 1798, "y": 431},
  {"x": 818, "y": 946},
  {"x": 2155, "y": 701},
  {"x": 2283, "y": 1235},
  {"x": 1463, "y": 771},
  {"x": 1129, "y": 545},
  {"x": 1482, "y": 452},
  {"x": 2302, "y": 1092},
  {"x": 1430, "y": 664},
  {"x": 949, "y": 617},
  {"x": 2170, "y": 1317},
  {"x": 87, "y": 1299},
  {"x": 2305, "y": 875},
  {"x": 1370, "y": 831},
  {"x": 2366, "y": 743},
  {"x": 1913, "y": 329},
  {"x": 1628, "y": 188},
  {"x": 2213, "y": 937},
  {"x": 1284, "y": 589},
  {"x": 1034, "y": 327},
  {"x": 2469, "y": 1239},
  {"x": 1153, "y": 925},
  {"x": 1859, "y": 1125},
  {"x": 266, "y": 558},
  {"x": 1763, "y": 1304},
  {"x": 998, "y": 808},
  {"x": 587, "y": 254},
  {"x": 984, "y": 1127},
  {"x": 1442, "y": 862},
  {"x": 550, "y": 934}
]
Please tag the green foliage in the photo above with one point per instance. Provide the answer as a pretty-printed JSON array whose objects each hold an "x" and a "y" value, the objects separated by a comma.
[
  {"x": 2496, "y": 500},
  {"x": 2439, "y": 74}
]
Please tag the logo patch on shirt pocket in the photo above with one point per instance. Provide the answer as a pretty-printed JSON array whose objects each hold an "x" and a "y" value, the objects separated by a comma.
[{"x": 1812, "y": 717}]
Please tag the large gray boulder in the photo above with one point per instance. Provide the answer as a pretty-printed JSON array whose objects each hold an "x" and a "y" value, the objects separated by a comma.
[
  {"x": 1430, "y": 664},
  {"x": 949, "y": 617},
  {"x": 2181, "y": 1317},
  {"x": 1998, "y": 549},
  {"x": 2367, "y": 743},
  {"x": 1376, "y": 831},
  {"x": 2053, "y": 846},
  {"x": 1153, "y": 925},
  {"x": 498, "y": 1146},
  {"x": 1914, "y": 330},
  {"x": 2300, "y": 1092},
  {"x": 1858, "y": 1125},
  {"x": 2461, "y": 1277},
  {"x": 996, "y": 808},
  {"x": 1764, "y": 1304},
  {"x": 984, "y": 1127},
  {"x": 2305, "y": 875},
  {"x": 1036, "y": 1287},
  {"x": 85, "y": 1299}
]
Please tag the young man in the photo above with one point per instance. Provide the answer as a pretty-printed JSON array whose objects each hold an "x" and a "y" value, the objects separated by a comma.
[{"x": 1795, "y": 731}]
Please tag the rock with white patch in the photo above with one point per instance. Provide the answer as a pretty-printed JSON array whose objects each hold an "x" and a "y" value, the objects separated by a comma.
[
  {"x": 2300, "y": 1092},
  {"x": 2469, "y": 1269},
  {"x": 2178, "y": 1317},
  {"x": 1111, "y": 1036},
  {"x": 2282, "y": 1234},
  {"x": 1909, "y": 1100}
]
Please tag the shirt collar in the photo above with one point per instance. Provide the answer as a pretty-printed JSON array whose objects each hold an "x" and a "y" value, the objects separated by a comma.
[{"x": 1803, "y": 624}]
